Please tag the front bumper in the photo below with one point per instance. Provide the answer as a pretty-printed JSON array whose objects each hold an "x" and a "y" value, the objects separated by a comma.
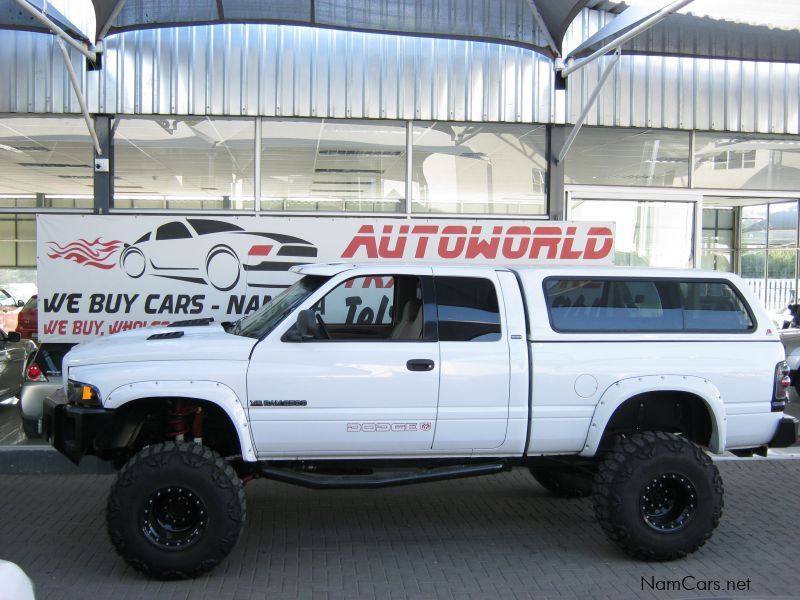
[
  {"x": 72, "y": 429},
  {"x": 786, "y": 434}
]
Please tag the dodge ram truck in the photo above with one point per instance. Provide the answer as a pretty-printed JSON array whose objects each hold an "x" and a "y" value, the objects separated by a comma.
[{"x": 614, "y": 382}]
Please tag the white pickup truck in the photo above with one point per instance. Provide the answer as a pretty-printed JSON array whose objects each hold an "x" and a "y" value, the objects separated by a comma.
[{"x": 609, "y": 381}]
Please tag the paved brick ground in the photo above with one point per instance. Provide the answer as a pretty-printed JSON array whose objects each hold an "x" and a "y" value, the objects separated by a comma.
[{"x": 494, "y": 537}]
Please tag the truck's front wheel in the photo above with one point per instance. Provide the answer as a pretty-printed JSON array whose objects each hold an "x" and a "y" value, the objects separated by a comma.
[
  {"x": 175, "y": 510},
  {"x": 657, "y": 495}
]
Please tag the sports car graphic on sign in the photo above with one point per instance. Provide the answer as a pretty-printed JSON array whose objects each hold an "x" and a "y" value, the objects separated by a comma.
[{"x": 202, "y": 251}]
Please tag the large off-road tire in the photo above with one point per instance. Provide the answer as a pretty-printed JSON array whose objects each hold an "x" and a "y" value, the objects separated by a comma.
[
  {"x": 657, "y": 495},
  {"x": 564, "y": 483},
  {"x": 175, "y": 510}
]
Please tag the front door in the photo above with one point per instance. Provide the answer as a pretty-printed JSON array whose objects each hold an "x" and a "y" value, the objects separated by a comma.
[{"x": 367, "y": 382}]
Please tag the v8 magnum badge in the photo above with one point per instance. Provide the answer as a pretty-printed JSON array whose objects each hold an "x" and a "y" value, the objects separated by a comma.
[{"x": 387, "y": 427}]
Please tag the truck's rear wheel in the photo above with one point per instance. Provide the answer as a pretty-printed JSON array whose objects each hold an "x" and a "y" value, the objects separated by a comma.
[
  {"x": 565, "y": 483},
  {"x": 657, "y": 495},
  {"x": 175, "y": 510}
]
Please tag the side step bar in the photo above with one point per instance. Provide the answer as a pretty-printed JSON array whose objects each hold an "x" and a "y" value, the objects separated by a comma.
[{"x": 377, "y": 480}]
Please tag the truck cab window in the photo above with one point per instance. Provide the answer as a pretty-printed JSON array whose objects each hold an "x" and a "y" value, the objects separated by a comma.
[
  {"x": 467, "y": 309},
  {"x": 382, "y": 307}
]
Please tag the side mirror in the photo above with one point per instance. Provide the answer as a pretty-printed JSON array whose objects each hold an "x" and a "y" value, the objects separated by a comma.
[
  {"x": 306, "y": 324},
  {"x": 13, "y": 336},
  {"x": 20, "y": 303}
]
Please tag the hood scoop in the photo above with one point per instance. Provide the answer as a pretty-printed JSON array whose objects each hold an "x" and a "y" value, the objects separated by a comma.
[
  {"x": 166, "y": 336},
  {"x": 192, "y": 323}
]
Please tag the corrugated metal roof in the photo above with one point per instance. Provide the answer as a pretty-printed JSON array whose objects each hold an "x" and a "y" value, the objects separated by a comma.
[
  {"x": 504, "y": 21},
  {"x": 512, "y": 22}
]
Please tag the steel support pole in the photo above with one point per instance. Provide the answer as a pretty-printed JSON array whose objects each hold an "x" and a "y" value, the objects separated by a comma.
[
  {"x": 556, "y": 197},
  {"x": 614, "y": 44},
  {"x": 409, "y": 165},
  {"x": 104, "y": 171},
  {"x": 114, "y": 14},
  {"x": 585, "y": 112},
  {"x": 76, "y": 87},
  {"x": 257, "y": 167}
]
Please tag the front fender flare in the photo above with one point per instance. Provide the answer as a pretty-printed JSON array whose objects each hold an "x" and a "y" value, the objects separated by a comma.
[
  {"x": 211, "y": 391},
  {"x": 622, "y": 390}
]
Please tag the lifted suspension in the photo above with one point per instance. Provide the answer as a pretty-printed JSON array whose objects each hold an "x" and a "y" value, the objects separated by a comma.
[{"x": 178, "y": 424}]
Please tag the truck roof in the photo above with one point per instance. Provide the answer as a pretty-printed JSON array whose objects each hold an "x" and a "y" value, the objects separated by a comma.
[{"x": 330, "y": 269}]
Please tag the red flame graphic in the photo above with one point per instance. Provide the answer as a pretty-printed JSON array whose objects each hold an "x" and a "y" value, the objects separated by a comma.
[{"x": 92, "y": 254}]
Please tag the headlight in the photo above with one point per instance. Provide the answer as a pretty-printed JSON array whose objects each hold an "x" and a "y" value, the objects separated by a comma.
[{"x": 83, "y": 394}]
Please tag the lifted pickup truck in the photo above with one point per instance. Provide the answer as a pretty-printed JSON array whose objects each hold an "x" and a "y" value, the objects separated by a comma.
[{"x": 607, "y": 381}]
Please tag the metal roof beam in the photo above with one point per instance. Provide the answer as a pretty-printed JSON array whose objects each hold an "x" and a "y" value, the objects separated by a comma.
[
  {"x": 589, "y": 102},
  {"x": 107, "y": 25},
  {"x": 76, "y": 86},
  {"x": 63, "y": 35},
  {"x": 543, "y": 28},
  {"x": 615, "y": 44}
]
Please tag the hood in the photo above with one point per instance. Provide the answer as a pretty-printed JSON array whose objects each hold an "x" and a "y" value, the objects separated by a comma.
[{"x": 208, "y": 342}]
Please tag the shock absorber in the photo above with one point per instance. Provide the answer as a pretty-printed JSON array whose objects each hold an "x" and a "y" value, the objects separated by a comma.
[
  {"x": 178, "y": 428},
  {"x": 197, "y": 426}
]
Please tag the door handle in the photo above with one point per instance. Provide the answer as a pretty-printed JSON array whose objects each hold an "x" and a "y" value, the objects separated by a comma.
[{"x": 420, "y": 364}]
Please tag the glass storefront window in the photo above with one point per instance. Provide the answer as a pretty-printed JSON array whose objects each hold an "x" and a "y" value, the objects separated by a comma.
[
  {"x": 184, "y": 163},
  {"x": 718, "y": 227},
  {"x": 41, "y": 156},
  {"x": 63, "y": 201},
  {"x": 752, "y": 268},
  {"x": 746, "y": 162},
  {"x": 717, "y": 251},
  {"x": 783, "y": 224},
  {"x": 17, "y": 240},
  {"x": 655, "y": 234},
  {"x": 770, "y": 270},
  {"x": 333, "y": 165},
  {"x": 635, "y": 157},
  {"x": 717, "y": 260},
  {"x": 478, "y": 168},
  {"x": 781, "y": 276},
  {"x": 753, "y": 226}
]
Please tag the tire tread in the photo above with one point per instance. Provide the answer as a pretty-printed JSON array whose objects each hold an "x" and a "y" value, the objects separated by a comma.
[
  {"x": 615, "y": 469},
  {"x": 193, "y": 456}
]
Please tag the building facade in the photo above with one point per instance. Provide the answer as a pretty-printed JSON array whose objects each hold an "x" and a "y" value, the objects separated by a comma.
[{"x": 696, "y": 160}]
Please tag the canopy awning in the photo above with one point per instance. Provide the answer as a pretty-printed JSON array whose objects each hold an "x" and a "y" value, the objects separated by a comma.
[
  {"x": 540, "y": 25},
  {"x": 12, "y": 16},
  {"x": 693, "y": 33},
  {"x": 505, "y": 21}
]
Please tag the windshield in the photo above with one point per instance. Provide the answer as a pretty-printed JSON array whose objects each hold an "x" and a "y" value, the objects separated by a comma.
[{"x": 268, "y": 316}]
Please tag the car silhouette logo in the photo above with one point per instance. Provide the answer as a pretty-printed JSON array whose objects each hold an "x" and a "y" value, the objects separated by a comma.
[{"x": 201, "y": 251}]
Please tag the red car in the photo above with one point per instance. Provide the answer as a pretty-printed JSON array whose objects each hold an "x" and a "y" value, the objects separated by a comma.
[{"x": 27, "y": 320}]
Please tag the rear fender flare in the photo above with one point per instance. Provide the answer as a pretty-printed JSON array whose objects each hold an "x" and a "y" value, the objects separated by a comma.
[{"x": 621, "y": 391}]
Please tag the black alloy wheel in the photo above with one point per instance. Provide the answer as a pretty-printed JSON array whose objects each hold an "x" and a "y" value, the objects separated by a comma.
[
  {"x": 173, "y": 518},
  {"x": 668, "y": 502}
]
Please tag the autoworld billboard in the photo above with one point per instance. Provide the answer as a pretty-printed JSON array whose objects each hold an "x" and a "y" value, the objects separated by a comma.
[{"x": 98, "y": 275}]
